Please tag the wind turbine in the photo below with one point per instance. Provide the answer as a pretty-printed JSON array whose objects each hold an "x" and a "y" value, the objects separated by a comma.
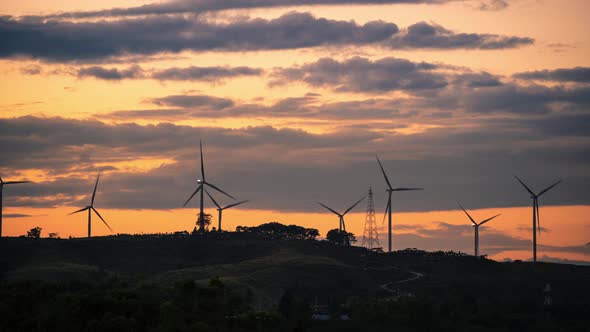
[
  {"x": 201, "y": 183},
  {"x": 536, "y": 218},
  {"x": 2, "y": 183},
  {"x": 390, "y": 190},
  {"x": 476, "y": 229},
  {"x": 342, "y": 226},
  {"x": 91, "y": 208},
  {"x": 220, "y": 209}
]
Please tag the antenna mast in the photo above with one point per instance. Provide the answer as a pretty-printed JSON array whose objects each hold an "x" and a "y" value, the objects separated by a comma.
[{"x": 370, "y": 235}]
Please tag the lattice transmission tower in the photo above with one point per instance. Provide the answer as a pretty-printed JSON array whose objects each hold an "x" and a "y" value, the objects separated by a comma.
[{"x": 370, "y": 235}]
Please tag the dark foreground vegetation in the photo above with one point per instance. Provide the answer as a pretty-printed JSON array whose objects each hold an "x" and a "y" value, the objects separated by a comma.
[{"x": 272, "y": 281}]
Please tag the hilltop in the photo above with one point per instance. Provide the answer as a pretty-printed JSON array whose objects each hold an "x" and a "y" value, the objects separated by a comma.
[{"x": 453, "y": 288}]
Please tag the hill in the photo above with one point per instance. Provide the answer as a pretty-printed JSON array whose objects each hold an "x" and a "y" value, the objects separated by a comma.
[{"x": 376, "y": 290}]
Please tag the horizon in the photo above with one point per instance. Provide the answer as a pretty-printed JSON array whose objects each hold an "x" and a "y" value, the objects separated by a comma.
[{"x": 292, "y": 103}]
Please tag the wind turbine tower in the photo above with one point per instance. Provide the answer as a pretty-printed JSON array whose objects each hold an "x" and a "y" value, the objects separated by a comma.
[
  {"x": 342, "y": 225},
  {"x": 536, "y": 218},
  {"x": 201, "y": 183},
  {"x": 476, "y": 230},
  {"x": 2, "y": 184},
  {"x": 370, "y": 234},
  {"x": 220, "y": 209},
  {"x": 390, "y": 191},
  {"x": 91, "y": 208}
]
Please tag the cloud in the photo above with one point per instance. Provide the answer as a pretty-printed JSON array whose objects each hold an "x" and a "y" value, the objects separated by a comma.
[
  {"x": 191, "y": 101},
  {"x": 182, "y": 107},
  {"x": 287, "y": 169},
  {"x": 61, "y": 41},
  {"x": 113, "y": 74},
  {"x": 83, "y": 41},
  {"x": 493, "y": 5},
  {"x": 15, "y": 215},
  {"x": 432, "y": 36},
  {"x": 192, "y": 73},
  {"x": 363, "y": 75},
  {"x": 577, "y": 74},
  {"x": 199, "y": 6},
  {"x": 204, "y": 73}
]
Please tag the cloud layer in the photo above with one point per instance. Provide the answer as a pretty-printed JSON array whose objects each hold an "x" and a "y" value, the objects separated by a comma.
[{"x": 68, "y": 40}]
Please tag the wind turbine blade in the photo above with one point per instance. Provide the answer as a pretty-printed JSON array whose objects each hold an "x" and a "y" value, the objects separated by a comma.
[
  {"x": 221, "y": 191},
  {"x": 548, "y": 188},
  {"x": 211, "y": 197},
  {"x": 336, "y": 213},
  {"x": 84, "y": 209},
  {"x": 202, "y": 162},
  {"x": 94, "y": 192},
  {"x": 525, "y": 186},
  {"x": 235, "y": 204},
  {"x": 473, "y": 221},
  {"x": 406, "y": 189},
  {"x": 483, "y": 222},
  {"x": 387, "y": 208},
  {"x": 101, "y": 218},
  {"x": 15, "y": 182},
  {"x": 355, "y": 204},
  {"x": 193, "y": 195},
  {"x": 383, "y": 171}
]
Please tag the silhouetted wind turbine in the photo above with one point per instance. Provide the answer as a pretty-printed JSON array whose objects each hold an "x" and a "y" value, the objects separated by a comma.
[
  {"x": 342, "y": 226},
  {"x": 536, "y": 218},
  {"x": 91, "y": 208},
  {"x": 476, "y": 229},
  {"x": 390, "y": 190},
  {"x": 2, "y": 183},
  {"x": 202, "y": 182},
  {"x": 220, "y": 209}
]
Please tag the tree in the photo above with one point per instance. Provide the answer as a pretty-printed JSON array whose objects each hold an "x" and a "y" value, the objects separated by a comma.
[
  {"x": 342, "y": 238},
  {"x": 34, "y": 233},
  {"x": 204, "y": 223},
  {"x": 277, "y": 230}
]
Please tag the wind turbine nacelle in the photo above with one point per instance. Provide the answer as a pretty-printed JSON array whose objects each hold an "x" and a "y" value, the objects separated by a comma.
[{"x": 199, "y": 181}]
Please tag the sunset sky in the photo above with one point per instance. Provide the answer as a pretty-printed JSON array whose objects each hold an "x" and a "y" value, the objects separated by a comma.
[{"x": 293, "y": 100}]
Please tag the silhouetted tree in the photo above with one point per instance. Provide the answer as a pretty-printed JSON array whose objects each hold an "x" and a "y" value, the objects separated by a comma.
[
  {"x": 34, "y": 233},
  {"x": 53, "y": 235},
  {"x": 277, "y": 230},
  {"x": 204, "y": 223},
  {"x": 339, "y": 237}
]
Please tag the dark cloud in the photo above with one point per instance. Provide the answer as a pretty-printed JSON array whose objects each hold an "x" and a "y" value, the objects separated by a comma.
[
  {"x": 387, "y": 74},
  {"x": 535, "y": 99},
  {"x": 577, "y": 74},
  {"x": 204, "y": 73},
  {"x": 15, "y": 215},
  {"x": 364, "y": 75},
  {"x": 286, "y": 169},
  {"x": 192, "y": 73},
  {"x": 188, "y": 101},
  {"x": 182, "y": 107},
  {"x": 112, "y": 74},
  {"x": 84, "y": 41},
  {"x": 198, "y": 6},
  {"x": 88, "y": 40},
  {"x": 431, "y": 36}
]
